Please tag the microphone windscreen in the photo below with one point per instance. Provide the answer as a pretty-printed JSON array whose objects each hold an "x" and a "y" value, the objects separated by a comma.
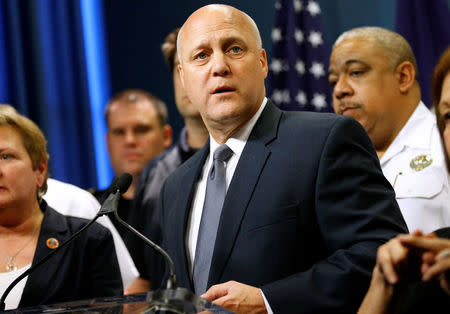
[
  {"x": 123, "y": 183},
  {"x": 113, "y": 186}
]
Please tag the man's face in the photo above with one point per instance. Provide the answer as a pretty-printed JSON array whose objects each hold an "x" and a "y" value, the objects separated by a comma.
[
  {"x": 135, "y": 136},
  {"x": 363, "y": 83},
  {"x": 223, "y": 69},
  {"x": 184, "y": 105},
  {"x": 444, "y": 111}
]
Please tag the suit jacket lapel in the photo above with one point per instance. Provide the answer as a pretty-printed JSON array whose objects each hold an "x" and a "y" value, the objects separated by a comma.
[
  {"x": 245, "y": 178},
  {"x": 39, "y": 282},
  {"x": 189, "y": 179}
]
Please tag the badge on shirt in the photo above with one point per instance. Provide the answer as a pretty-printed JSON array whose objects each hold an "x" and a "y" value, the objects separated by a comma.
[
  {"x": 420, "y": 162},
  {"x": 52, "y": 243}
]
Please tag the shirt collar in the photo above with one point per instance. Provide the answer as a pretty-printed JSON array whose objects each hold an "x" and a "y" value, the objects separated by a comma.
[
  {"x": 416, "y": 133},
  {"x": 238, "y": 140}
]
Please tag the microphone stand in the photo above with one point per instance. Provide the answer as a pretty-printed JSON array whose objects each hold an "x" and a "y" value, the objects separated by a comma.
[
  {"x": 173, "y": 299},
  {"x": 172, "y": 280}
]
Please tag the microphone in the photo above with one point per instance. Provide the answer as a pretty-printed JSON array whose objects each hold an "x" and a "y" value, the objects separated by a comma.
[
  {"x": 111, "y": 206},
  {"x": 118, "y": 186}
]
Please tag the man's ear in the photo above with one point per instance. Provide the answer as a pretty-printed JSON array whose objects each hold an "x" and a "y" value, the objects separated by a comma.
[
  {"x": 263, "y": 60},
  {"x": 180, "y": 70},
  {"x": 406, "y": 76},
  {"x": 167, "y": 135}
]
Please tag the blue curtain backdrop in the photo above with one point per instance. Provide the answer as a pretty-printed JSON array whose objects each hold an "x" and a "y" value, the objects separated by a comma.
[
  {"x": 53, "y": 70},
  {"x": 54, "y": 62}
]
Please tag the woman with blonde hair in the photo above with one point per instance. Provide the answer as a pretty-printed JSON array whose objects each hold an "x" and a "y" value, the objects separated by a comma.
[{"x": 30, "y": 229}]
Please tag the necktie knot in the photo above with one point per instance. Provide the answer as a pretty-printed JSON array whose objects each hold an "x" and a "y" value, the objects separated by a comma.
[{"x": 222, "y": 153}]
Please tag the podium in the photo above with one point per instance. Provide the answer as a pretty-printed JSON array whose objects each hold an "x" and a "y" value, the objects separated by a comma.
[{"x": 168, "y": 301}]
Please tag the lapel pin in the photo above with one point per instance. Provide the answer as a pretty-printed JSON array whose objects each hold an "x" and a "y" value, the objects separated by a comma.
[
  {"x": 420, "y": 162},
  {"x": 52, "y": 243}
]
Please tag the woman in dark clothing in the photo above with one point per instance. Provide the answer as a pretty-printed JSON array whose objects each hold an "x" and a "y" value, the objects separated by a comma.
[{"x": 29, "y": 229}]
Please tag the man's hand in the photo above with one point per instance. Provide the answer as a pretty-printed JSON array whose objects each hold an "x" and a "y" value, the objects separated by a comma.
[
  {"x": 138, "y": 285},
  {"x": 236, "y": 297},
  {"x": 391, "y": 258},
  {"x": 435, "y": 259},
  {"x": 392, "y": 261}
]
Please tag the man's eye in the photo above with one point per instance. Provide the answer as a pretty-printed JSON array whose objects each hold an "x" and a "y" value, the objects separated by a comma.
[
  {"x": 332, "y": 82},
  {"x": 117, "y": 132},
  {"x": 142, "y": 129},
  {"x": 201, "y": 56},
  {"x": 447, "y": 116},
  {"x": 5, "y": 156},
  {"x": 356, "y": 73},
  {"x": 236, "y": 49}
]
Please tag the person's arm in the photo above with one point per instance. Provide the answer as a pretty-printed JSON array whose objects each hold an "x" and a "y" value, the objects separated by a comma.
[
  {"x": 102, "y": 275},
  {"x": 356, "y": 213},
  {"x": 395, "y": 262},
  {"x": 392, "y": 262},
  {"x": 379, "y": 296}
]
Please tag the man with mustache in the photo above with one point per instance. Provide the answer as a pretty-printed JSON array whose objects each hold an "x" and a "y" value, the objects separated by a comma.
[
  {"x": 279, "y": 211},
  {"x": 373, "y": 74}
]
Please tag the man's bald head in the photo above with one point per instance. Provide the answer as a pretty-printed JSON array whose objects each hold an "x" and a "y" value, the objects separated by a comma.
[
  {"x": 228, "y": 12},
  {"x": 393, "y": 44},
  {"x": 222, "y": 67}
]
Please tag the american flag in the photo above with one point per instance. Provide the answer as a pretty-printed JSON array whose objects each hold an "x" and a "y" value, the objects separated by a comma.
[{"x": 299, "y": 65}]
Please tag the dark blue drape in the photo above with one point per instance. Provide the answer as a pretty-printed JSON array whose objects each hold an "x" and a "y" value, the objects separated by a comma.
[
  {"x": 426, "y": 26},
  {"x": 45, "y": 76}
]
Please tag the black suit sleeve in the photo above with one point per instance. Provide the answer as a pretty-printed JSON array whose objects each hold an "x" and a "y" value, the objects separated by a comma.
[
  {"x": 356, "y": 212},
  {"x": 102, "y": 278}
]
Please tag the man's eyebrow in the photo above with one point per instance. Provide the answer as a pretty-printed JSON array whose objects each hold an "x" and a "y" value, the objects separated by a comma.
[
  {"x": 352, "y": 61},
  {"x": 232, "y": 40},
  {"x": 349, "y": 62}
]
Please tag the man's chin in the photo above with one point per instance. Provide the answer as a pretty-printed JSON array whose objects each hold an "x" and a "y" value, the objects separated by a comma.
[{"x": 134, "y": 171}]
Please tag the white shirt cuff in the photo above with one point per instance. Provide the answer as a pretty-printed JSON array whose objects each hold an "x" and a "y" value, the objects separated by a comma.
[{"x": 268, "y": 308}]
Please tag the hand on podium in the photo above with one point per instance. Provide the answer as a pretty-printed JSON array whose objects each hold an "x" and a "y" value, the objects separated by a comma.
[
  {"x": 236, "y": 297},
  {"x": 137, "y": 286}
]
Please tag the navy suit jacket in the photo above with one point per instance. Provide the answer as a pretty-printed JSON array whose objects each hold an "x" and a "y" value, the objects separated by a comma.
[
  {"x": 305, "y": 211},
  {"x": 85, "y": 269}
]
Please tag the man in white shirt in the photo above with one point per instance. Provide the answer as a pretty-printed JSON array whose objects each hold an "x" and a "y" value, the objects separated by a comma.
[{"x": 373, "y": 73}]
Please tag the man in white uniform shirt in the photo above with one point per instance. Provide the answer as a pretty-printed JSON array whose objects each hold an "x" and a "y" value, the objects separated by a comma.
[{"x": 373, "y": 73}]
